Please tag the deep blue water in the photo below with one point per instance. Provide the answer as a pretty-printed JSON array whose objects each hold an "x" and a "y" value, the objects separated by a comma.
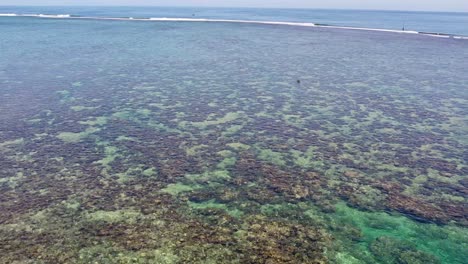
[{"x": 441, "y": 22}]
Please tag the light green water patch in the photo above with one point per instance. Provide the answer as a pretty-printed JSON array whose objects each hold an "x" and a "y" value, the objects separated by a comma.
[
  {"x": 72, "y": 205},
  {"x": 212, "y": 204},
  {"x": 71, "y": 137},
  {"x": 229, "y": 117},
  {"x": 111, "y": 153},
  {"x": 97, "y": 121},
  {"x": 232, "y": 130},
  {"x": 14, "y": 142},
  {"x": 195, "y": 150},
  {"x": 428, "y": 150},
  {"x": 346, "y": 258},
  {"x": 180, "y": 115},
  {"x": 448, "y": 243},
  {"x": 144, "y": 112},
  {"x": 125, "y": 138},
  {"x": 57, "y": 159},
  {"x": 178, "y": 188},
  {"x": 238, "y": 146},
  {"x": 108, "y": 253},
  {"x": 265, "y": 98},
  {"x": 350, "y": 119},
  {"x": 66, "y": 96},
  {"x": 77, "y": 84},
  {"x": 436, "y": 176},
  {"x": 12, "y": 181},
  {"x": 282, "y": 209},
  {"x": 225, "y": 153},
  {"x": 363, "y": 159},
  {"x": 436, "y": 194},
  {"x": 161, "y": 106},
  {"x": 458, "y": 127},
  {"x": 233, "y": 95},
  {"x": 358, "y": 85},
  {"x": 271, "y": 209},
  {"x": 294, "y": 120},
  {"x": 51, "y": 121},
  {"x": 154, "y": 94},
  {"x": 64, "y": 93},
  {"x": 34, "y": 120},
  {"x": 135, "y": 172},
  {"x": 264, "y": 114},
  {"x": 18, "y": 226},
  {"x": 78, "y": 108},
  {"x": 209, "y": 176},
  {"x": 124, "y": 177},
  {"x": 381, "y": 118},
  {"x": 449, "y": 197},
  {"x": 388, "y": 130},
  {"x": 23, "y": 157},
  {"x": 150, "y": 172},
  {"x": 212, "y": 104},
  {"x": 144, "y": 87},
  {"x": 271, "y": 156},
  {"x": 306, "y": 160},
  {"x": 162, "y": 127},
  {"x": 415, "y": 185},
  {"x": 124, "y": 114},
  {"x": 334, "y": 171},
  {"x": 227, "y": 162},
  {"x": 40, "y": 136}
]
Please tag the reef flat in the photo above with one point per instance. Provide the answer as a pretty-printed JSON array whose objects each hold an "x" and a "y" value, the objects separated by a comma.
[{"x": 196, "y": 143}]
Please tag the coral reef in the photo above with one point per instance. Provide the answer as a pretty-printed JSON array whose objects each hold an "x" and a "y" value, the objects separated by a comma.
[{"x": 218, "y": 155}]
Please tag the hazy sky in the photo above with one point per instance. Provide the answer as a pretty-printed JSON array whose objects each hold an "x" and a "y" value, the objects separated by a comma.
[{"x": 433, "y": 5}]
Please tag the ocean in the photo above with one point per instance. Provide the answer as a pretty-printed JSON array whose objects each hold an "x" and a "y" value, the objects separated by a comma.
[
  {"x": 436, "y": 22},
  {"x": 199, "y": 136}
]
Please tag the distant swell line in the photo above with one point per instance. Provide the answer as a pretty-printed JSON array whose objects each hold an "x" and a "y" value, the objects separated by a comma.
[
  {"x": 35, "y": 15},
  {"x": 297, "y": 24},
  {"x": 232, "y": 21}
]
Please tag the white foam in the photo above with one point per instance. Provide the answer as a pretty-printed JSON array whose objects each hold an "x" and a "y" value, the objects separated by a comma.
[
  {"x": 54, "y": 16},
  {"x": 181, "y": 19},
  {"x": 373, "y": 29},
  {"x": 437, "y": 35},
  {"x": 297, "y": 24},
  {"x": 38, "y": 15}
]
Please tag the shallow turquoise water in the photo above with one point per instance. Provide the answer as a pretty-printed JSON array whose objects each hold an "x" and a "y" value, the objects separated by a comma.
[{"x": 170, "y": 142}]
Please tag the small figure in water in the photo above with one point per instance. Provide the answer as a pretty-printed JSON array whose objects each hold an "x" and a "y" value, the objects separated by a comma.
[{"x": 299, "y": 81}]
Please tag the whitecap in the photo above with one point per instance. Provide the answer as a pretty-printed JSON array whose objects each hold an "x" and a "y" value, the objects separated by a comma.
[
  {"x": 180, "y": 19},
  {"x": 298, "y": 24},
  {"x": 54, "y": 16}
]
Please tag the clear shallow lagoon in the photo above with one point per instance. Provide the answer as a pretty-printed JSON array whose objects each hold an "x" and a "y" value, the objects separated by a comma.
[{"x": 179, "y": 142}]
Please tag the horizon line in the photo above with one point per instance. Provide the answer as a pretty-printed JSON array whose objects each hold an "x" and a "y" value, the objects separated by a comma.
[{"x": 246, "y": 7}]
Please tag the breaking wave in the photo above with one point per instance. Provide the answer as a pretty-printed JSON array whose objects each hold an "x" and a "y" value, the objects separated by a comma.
[{"x": 181, "y": 19}]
